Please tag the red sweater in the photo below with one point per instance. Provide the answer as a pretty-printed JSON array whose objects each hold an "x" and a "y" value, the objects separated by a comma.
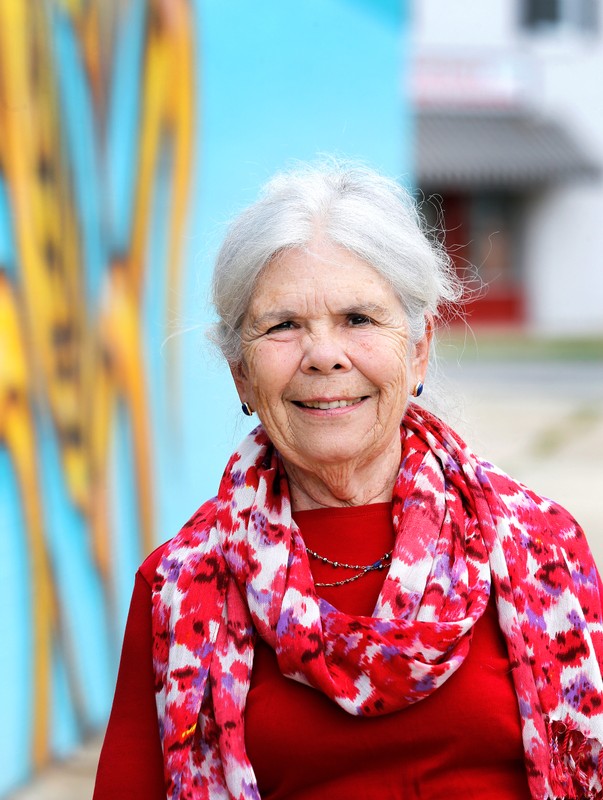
[{"x": 463, "y": 741}]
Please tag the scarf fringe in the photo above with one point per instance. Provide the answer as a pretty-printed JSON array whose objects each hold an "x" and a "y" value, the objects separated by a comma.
[{"x": 576, "y": 762}]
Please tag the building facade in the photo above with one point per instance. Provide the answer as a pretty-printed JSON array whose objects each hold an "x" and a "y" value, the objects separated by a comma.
[{"x": 510, "y": 136}]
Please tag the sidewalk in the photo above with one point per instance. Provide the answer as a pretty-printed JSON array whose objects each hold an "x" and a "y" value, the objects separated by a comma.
[
  {"x": 69, "y": 780},
  {"x": 541, "y": 422}
]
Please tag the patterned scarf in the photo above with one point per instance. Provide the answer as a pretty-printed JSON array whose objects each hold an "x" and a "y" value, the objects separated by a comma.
[{"x": 239, "y": 569}]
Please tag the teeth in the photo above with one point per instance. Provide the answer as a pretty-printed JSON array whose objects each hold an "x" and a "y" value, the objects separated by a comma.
[{"x": 332, "y": 404}]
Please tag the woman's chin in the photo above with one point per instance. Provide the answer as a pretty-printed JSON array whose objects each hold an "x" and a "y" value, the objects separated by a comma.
[{"x": 333, "y": 454}]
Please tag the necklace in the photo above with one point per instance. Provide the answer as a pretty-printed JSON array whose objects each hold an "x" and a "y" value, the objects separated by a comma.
[{"x": 362, "y": 569}]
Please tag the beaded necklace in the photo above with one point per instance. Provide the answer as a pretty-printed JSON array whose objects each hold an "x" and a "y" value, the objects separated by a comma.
[{"x": 362, "y": 569}]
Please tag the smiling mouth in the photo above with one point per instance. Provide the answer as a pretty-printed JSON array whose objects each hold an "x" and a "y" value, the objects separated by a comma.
[{"x": 324, "y": 405}]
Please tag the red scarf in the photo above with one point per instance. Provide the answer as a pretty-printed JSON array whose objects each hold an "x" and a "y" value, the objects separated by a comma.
[{"x": 239, "y": 568}]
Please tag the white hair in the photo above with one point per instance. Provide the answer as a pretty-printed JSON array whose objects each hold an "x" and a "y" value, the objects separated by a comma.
[{"x": 351, "y": 206}]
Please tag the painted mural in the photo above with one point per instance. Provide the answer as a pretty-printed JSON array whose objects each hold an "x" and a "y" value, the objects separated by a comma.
[
  {"x": 130, "y": 131},
  {"x": 97, "y": 109}
]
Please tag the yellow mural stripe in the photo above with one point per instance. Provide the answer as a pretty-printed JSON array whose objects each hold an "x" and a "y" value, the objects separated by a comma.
[
  {"x": 17, "y": 124},
  {"x": 42, "y": 212},
  {"x": 16, "y": 431},
  {"x": 182, "y": 123},
  {"x": 80, "y": 363}
]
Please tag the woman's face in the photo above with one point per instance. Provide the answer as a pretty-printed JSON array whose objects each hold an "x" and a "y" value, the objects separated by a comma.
[{"x": 327, "y": 361}]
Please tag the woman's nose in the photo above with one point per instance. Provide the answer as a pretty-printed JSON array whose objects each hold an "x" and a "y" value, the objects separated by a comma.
[{"x": 324, "y": 353}]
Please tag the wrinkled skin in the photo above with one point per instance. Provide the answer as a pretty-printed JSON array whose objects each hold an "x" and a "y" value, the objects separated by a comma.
[{"x": 324, "y": 326}]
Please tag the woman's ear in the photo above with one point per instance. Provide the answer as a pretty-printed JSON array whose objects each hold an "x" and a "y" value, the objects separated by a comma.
[
  {"x": 420, "y": 358},
  {"x": 240, "y": 378}
]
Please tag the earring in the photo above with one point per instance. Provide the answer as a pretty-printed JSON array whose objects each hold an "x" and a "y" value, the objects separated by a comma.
[
  {"x": 247, "y": 409},
  {"x": 418, "y": 389}
]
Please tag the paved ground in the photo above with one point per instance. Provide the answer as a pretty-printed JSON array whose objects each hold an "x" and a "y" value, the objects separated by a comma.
[
  {"x": 71, "y": 780},
  {"x": 540, "y": 421}
]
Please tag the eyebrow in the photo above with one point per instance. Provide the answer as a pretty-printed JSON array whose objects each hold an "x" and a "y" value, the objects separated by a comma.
[
  {"x": 368, "y": 309},
  {"x": 273, "y": 316}
]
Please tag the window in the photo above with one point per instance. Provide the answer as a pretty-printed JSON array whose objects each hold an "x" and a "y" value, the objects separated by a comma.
[
  {"x": 551, "y": 16},
  {"x": 540, "y": 13}
]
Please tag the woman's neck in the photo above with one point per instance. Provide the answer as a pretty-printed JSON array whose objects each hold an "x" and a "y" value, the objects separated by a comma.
[{"x": 347, "y": 484}]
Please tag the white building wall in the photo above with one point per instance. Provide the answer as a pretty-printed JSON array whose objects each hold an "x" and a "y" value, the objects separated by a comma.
[
  {"x": 446, "y": 24},
  {"x": 561, "y": 76},
  {"x": 564, "y": 259}
]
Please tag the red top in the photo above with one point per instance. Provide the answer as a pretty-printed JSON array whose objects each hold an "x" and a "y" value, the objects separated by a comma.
[{"x": 463, "y": 741}]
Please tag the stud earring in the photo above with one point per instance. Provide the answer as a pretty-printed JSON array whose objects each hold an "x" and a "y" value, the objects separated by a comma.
[
  {"x": 247, "y": 409},
  {"x": 416, "y": 392}
]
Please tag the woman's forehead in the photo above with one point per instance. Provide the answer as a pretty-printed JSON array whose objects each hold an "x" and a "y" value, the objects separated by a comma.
[{"x": 321, "y": 269}]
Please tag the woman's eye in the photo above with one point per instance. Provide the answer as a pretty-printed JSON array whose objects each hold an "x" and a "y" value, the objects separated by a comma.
[
  {"x": 282, "y": 326},
  {"x": 359, "y": 319}
]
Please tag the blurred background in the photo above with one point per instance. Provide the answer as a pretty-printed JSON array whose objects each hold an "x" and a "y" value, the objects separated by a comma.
[{"x": 130, "y": 131}]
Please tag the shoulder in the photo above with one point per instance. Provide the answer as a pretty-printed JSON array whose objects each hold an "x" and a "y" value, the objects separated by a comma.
[
  {"x": 197, "y": 525},
  {"x": 148, "y": 568}
]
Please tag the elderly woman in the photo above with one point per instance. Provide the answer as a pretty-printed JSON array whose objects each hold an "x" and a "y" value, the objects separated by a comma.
[{"x": 365, "y": 609}]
